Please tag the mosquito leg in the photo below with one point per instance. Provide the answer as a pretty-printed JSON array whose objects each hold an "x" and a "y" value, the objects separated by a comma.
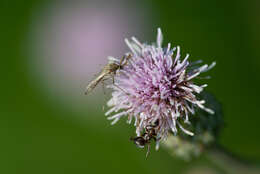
[
  {"x": 121, "y": 61},
  {"x": 104, "y": 84},
  {"x": 103, "y": 87},
  {"x": 121, "y": 89},
  {"x": 126, "y": 59},
  {"x": 104, "y": 91},
  {"x": 113, "y": 79}
]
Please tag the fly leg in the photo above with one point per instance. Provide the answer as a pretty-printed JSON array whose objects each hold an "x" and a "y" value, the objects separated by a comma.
[{"x": 148, "y": 150}]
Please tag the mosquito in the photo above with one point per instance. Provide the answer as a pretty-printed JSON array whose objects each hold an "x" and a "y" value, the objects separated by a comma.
[{"x": 109, "y": 70}]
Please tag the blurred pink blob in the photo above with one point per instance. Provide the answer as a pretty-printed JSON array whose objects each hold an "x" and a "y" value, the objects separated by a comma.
[
  {"x": 72, "y": 42},
  {"x": 84, "y": 40}
]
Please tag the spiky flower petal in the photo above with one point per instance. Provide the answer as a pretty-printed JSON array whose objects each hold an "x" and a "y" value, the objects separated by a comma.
[{"x": 156, "y": 85}]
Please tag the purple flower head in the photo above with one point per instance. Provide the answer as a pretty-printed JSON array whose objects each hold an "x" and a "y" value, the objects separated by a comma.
[{"x": 155, "y": 85}]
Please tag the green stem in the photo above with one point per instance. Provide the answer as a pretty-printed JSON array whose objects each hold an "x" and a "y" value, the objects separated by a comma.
[{"x": 230, "y": 163}]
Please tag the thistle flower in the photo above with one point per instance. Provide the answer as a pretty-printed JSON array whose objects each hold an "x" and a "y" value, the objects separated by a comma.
[{"x": 156, "y": 86}]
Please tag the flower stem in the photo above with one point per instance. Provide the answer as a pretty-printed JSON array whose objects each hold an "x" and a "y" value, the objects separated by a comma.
[{"x": 229, "y": 162}]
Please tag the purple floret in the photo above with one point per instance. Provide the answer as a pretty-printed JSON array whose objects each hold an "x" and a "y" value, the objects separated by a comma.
[{"x": 156, "y": 85}]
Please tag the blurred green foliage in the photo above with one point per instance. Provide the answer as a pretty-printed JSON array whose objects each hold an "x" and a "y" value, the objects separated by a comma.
[{"x": 35, "y": 140}]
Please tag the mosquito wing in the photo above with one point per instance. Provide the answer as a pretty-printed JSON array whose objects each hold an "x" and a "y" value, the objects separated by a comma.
[
  {"x": 112, "y": 66},
  {"x": 95, "y": 82}
]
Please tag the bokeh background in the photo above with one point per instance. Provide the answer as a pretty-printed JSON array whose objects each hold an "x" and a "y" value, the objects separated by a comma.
[{"x": 51, "y": 49}]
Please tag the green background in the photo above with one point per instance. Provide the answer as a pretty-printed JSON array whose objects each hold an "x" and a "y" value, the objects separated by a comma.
[{"x": 35, "y": 140}]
